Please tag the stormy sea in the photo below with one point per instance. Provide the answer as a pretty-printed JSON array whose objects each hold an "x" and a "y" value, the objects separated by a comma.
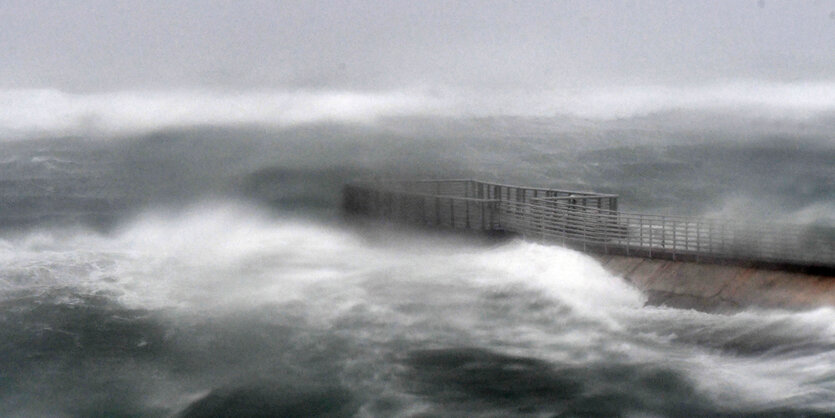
[{"x": 207, "y": 270}]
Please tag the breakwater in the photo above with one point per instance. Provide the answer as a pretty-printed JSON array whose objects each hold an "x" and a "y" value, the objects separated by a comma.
[
  {"x": 592, "y": 222},
  {"x": 721, "y": 287}
]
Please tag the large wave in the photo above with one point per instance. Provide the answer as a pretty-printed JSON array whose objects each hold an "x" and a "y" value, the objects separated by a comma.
[
  {"x": 54, "y": 112},
  {"x": 249, "y": 295}
]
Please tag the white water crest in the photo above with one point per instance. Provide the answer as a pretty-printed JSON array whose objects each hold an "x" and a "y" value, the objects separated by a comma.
[
  {"x": 217, "y": 259},
  {"x": 34, "y": 112},
  {"x": 51, "y": 112}
]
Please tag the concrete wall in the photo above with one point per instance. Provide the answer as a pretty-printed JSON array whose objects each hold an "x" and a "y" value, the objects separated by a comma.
[{"x": 714, "y": 287}]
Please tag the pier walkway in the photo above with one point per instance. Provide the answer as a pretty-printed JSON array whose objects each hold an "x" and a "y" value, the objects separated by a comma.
[{"x": 589, "y": 222}]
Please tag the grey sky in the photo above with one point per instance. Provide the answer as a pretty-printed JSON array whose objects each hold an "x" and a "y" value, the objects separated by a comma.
[{"x": 94, "y": 46}]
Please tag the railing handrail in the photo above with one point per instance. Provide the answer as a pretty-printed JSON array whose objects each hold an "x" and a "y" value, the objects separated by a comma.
[
  {"x": 573, "y": 197},
  {"x": 594, "y": 222},
  {"x": 582, "y": 208},
  {"x": 680, "y": 218},
  {"x": 544, "y": 189},
  {"x": 693, "y": 236},
  {"x": 433, "y": 195}
]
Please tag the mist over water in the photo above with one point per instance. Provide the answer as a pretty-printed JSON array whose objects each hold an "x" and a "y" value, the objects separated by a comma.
[
  {"x": 171, "y": 240},
  {"x": 204, "y": 271},
  {"x": 51, "y": 112},
  {"x": 222, "y": 307}
]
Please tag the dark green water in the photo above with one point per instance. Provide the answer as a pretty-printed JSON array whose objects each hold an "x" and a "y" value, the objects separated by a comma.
[{"x": 207, "y": 272}]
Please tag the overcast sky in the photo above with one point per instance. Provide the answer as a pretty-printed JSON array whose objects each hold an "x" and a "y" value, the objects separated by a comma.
[
  {"x": 95, "y": 46},
  {"x": 74, "y": 67}
]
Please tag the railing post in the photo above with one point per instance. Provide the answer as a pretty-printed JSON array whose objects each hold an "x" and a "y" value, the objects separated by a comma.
[
  {"x": 584, "y": 224},
  {"x": 604, "y": 231},
  {"x": 410, "y": 201},
  {"x": 675, "y": 243},
  {"x": 564, "y": 228},
  {"x": 698, "y": 240},
  {"x": 627, "y": 233},
  {"x": 482, "y": 203},
  {"x": 452, "y": 213},
  {"x": 467, "y": 213},
  {"x": 710, "y": 237},
  {"x": 641, "y": 230}
]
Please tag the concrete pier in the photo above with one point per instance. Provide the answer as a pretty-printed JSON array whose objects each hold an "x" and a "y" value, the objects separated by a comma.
[
  {"x": 716, "y": 287},
  {"x": 677, "y": 261}
]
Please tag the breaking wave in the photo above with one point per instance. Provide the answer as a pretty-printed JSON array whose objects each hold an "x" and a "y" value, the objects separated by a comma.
[
  {"x": 53, "y": 112},
  {"x": 223, "y": 306}
]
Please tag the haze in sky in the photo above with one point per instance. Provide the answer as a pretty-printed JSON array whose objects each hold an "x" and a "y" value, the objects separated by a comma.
[
  {"x": 84, "y": 46},
  {"x": 126, "y": 63},
  {"x": 172, "y": 238}
]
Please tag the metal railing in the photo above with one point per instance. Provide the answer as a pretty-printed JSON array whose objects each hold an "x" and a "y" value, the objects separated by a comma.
[
  {"x": 673, "y": 237},
  {"x": 490, "y": 191},
  {"x": 588, "y": 221},
  {"x": 419, "y": 207}
]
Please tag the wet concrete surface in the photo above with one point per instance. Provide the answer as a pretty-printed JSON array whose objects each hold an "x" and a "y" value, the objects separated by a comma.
[{"x": 716, "y": 287}]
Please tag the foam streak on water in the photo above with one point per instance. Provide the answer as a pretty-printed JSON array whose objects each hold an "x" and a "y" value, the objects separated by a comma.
[{"x": 220, "y": 304}]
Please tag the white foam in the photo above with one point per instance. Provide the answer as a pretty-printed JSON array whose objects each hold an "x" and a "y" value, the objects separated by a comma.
[
  {"x": 25, "y": 112},
  {"x": 50, "y": 112},
  {"x": 769, "y": 100},
  {"x": 518, "y": 297},
  {"x": 569, "y": 276}
]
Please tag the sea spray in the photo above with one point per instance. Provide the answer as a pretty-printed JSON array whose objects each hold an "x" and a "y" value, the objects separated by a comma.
[{"x": 223, "y": 298}]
